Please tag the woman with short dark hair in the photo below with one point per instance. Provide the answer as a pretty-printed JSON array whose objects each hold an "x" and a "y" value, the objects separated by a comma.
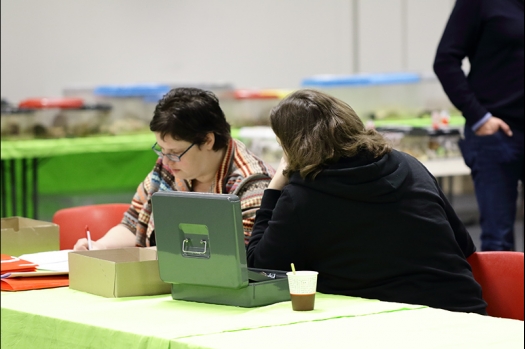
[
  {"x": 196, "y": 153},
  {"x": 371, "y": 220}
]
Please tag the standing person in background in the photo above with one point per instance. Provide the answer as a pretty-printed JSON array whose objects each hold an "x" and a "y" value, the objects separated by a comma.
[
  {"x": 196, "y": 153},
  {"x": 490, "y": 34}
]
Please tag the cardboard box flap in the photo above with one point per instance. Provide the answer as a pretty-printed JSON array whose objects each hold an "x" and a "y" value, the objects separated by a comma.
[
  {"x": 122, "y": 255},
  {"x": 17, "y": 223},
  {"x": 21, "y": 235}
]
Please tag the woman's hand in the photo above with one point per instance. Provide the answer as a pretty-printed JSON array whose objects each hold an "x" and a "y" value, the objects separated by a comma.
[
  {"x": 279, "y": 180},
  {"x": 82, "y": 245},
  {"x": 117, "y": 237}
]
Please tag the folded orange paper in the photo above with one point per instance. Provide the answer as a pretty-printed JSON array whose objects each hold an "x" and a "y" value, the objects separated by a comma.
[
  {"x": 19, "y": 275},
  {"x": 15, "y": 264},
  {"x": 34, "y": 283}
]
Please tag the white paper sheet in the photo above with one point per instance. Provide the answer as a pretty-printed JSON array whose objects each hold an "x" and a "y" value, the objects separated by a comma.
[{"x": 50, "y": 260}]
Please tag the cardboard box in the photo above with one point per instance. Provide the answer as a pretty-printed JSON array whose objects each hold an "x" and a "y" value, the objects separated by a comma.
[
  {"x": 123, "y": 272},
  {"x": 25, "y": 235}
]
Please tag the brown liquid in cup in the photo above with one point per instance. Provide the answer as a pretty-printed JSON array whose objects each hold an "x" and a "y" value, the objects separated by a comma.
[{"x": 302, "y": 302}]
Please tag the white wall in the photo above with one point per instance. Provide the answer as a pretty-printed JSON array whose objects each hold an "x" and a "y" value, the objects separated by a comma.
[{"x": 49, "y": 45}]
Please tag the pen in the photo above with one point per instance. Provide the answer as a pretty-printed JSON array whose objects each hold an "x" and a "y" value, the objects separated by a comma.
[{"x": 88, "y": 235}]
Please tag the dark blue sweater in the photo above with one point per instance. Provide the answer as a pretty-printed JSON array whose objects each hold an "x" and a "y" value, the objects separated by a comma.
[{"x": 490, "y": 34}]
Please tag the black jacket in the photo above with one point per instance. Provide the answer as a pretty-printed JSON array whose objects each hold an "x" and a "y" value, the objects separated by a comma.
[
  {"x": 491, "y": 35},
  {"x": 379, "y": 229}
]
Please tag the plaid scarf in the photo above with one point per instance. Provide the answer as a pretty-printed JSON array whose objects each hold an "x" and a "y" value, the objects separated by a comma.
[{"x": 241, "y": 173}]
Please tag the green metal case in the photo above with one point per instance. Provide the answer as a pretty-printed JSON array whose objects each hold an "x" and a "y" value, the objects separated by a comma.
[{"x": 201, "y": 251}]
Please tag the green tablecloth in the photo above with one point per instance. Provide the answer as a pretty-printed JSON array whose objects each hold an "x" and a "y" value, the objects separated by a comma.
[
  {"x": 455, "y": 121},
  {"x": 64, "y": 318},
  {"x": 86, "y": 164},
  {"x": 424, "y": 328},
  {"x": 46, "y": 148},
  {"x": 95, "y": 167},
  {"x": 91, "y": 164},
  {"x": 99, "y": 165},
  {"x": 78, "y": 167}
]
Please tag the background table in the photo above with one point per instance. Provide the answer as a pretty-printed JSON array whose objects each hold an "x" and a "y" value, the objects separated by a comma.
[
  {"x": 64, "y": 318},
  {"x": 71, "y": 165},
  {"x": 101, "y": 165}
]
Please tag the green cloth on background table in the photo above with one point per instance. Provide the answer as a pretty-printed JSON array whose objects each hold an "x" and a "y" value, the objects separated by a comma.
[
  {"x": 43, "y": 148},
  {"x": 76, "y": 167},
  {"x": 61, "y": 318},
  {"x": 455, "y": 121},
  {"x": 94, "y": 173},
  {"x": 90, "y": 164}
]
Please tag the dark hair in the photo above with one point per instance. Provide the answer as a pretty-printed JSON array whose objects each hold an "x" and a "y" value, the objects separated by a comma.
[
  {"x": 316, "y": 129},
  {"x": 189, "y": 114}
]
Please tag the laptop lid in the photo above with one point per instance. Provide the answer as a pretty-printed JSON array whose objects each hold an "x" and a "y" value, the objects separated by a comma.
[{"x": 200, "y": 239}]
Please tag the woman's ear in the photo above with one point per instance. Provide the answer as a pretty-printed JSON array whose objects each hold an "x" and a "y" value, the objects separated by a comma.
[{"x": 210, "y": 141}]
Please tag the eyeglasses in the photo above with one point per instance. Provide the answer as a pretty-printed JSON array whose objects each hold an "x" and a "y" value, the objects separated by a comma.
[{"x": 171, "y": 157}]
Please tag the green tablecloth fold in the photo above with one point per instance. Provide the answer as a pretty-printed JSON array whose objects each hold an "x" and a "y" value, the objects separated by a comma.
[
  {"x": 423, "y": 328},
  {"x": 66, "y": 316}
]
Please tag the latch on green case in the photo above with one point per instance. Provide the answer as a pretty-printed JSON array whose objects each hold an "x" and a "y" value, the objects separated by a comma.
[{"x": 195, "y": 243}]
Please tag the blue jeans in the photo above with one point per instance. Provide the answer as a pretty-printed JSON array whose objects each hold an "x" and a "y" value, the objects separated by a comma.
[{"x": 496, "y": 164}]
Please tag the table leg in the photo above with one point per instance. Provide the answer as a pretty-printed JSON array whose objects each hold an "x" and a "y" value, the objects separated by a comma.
[
  {"x": 451, "y": 190},
  {"x": 19, "y": 177},
  {"x": 4, "y": 192},
  {"x": 12, "y": 169},
  {"x": 24, "y": 188},
  {"x": 34, "y": 163},
  {"x": 440, "y": 182}
]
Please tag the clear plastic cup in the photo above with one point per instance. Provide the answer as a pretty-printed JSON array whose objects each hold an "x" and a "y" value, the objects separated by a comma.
[{"x": 303, "y": 286}]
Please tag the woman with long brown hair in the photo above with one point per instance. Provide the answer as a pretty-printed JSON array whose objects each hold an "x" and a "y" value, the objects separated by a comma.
[{"x": 370, "y": 219}]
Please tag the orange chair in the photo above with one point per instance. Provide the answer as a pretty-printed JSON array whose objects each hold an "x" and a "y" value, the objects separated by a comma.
[
  {"x": 100, "y": 218},
  {"x": 500, "y": 275}
]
